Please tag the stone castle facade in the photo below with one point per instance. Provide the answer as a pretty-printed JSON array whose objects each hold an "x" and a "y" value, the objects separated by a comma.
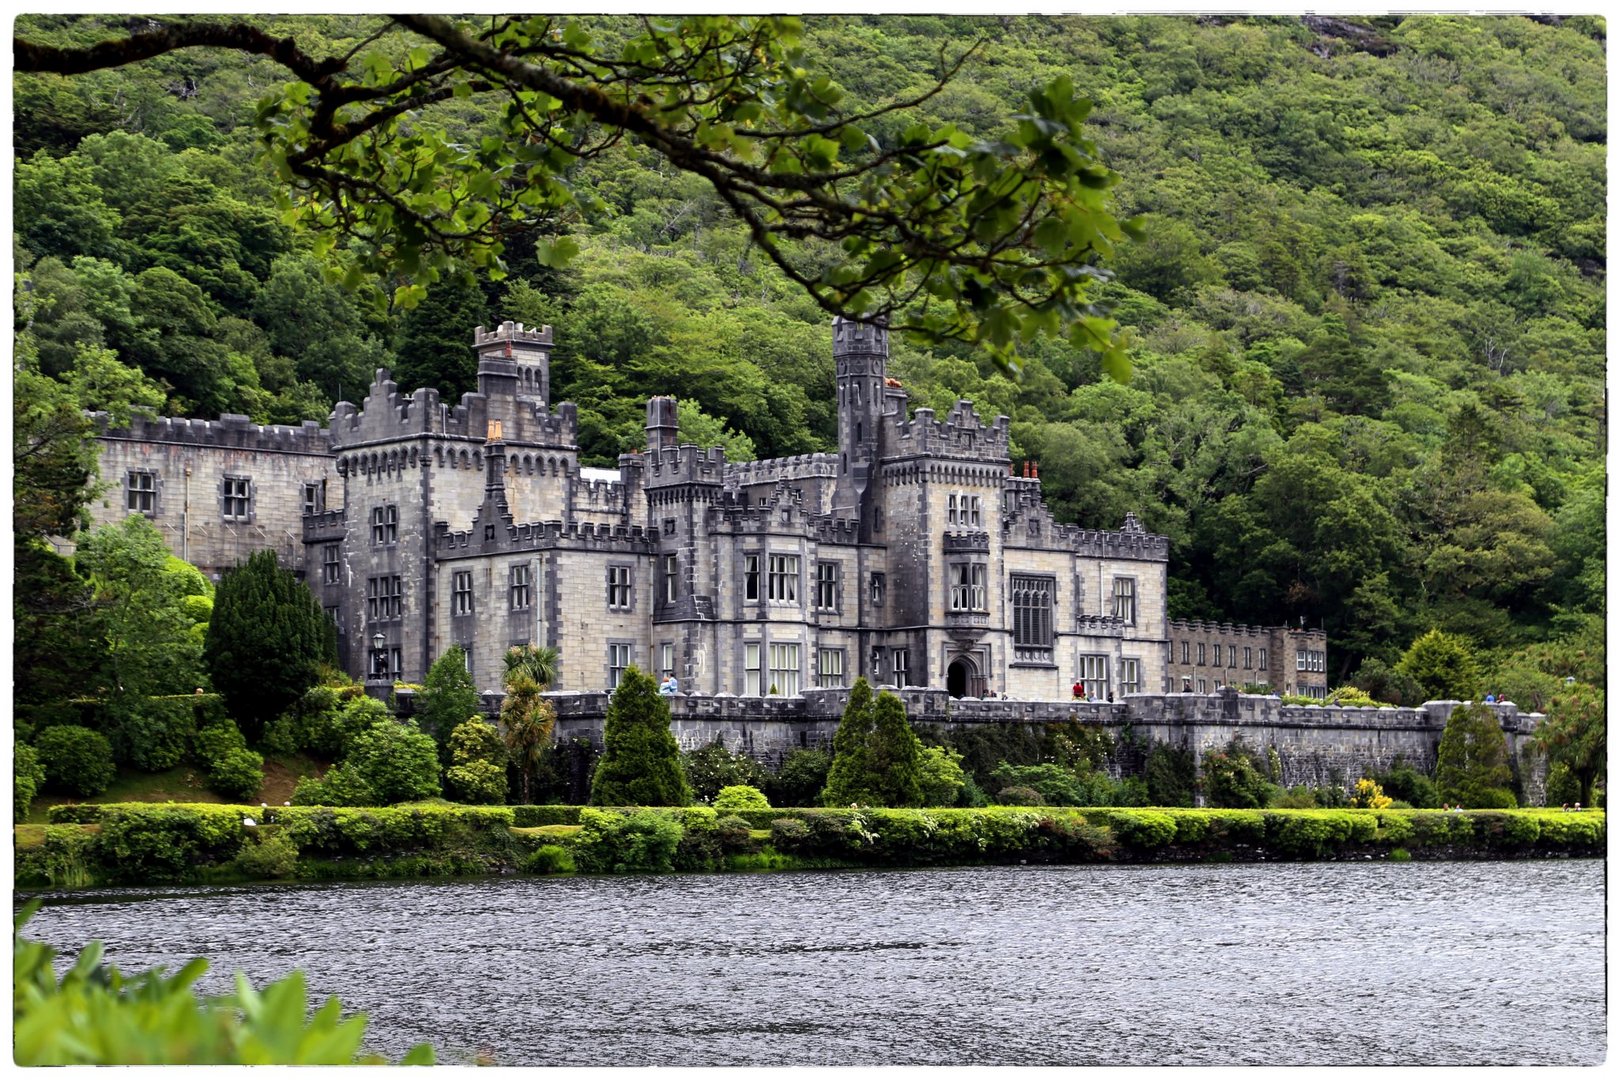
[{"x": 913, "y": 555}]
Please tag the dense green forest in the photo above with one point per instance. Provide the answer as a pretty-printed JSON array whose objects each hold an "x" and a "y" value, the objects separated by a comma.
[{"x": 1367, "y": 314}]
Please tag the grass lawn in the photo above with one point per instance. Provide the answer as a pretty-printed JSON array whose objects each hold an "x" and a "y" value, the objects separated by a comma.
[{"x": 188, "y": 784}]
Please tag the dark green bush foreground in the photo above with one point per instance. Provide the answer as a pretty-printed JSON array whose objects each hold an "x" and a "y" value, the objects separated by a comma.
[{"x": 143, "y": 843}]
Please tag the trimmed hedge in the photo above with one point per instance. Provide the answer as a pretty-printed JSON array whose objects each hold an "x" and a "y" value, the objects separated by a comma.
[{"x": 151, "y": 843}]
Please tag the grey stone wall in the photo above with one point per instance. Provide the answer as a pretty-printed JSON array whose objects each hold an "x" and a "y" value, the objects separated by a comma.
[{"x": 1317, "y": 746}]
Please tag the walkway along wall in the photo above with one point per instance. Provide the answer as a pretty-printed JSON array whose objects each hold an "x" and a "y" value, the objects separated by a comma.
[{"x": 1317, "y": 745}]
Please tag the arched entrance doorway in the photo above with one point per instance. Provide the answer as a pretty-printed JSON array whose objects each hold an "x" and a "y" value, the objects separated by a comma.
[{"x": 962, "y": 679}]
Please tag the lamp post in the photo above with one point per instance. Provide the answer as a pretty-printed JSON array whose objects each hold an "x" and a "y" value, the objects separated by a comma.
[{"x": 379, "y": 658}]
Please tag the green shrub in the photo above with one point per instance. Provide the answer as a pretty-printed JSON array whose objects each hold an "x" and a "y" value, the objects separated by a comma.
[
  {"x": 789, "y": 834},
  {"x": 735, "y": 835},
  {"x": 168, "y": 842},
  {"x": 1446, "y": 827},
  {"x": 1508, "y": 832},
  {"x": 640, "y": 763},
  {"x": 1143, "y": 828},
  {"x": 1169, "y": 772},
  {"x": 1232, "y": 780},
  {"x": 269, "y": 856},
  {"x": 238, "y": 775},
  {"x": 76, "y": 813},
  {"x": 1056, "y": 785},
  {"x": 1394, "y": 828},
  {"x": 27, "y": 774},
  {"x": 741, "y": 797},
  {"x": 800, "y": 779},
  {"x": 77, "y": 761},
  {"x": 1408, "y": 785},
  {"x": 941, "y": 775},
  {"x": 154, "y": 732},
  {"x": 1573, "y": 830},
  {"x": 1191, "y": 828},
  {"x": 710, "y": 769},
  {"x": 480, "y": 783},
  {"x": 613, "y": 842},
  {"x": 213, "y": 742},
  {"x": 1019, "y": 796},
  {"x": 528, "y": 817},
  {"x": 342, "y": 785},
  {"x": 1399, "y": 854},
  {"x": 549, "y": 859},
  {"x": 1295, "y": 798},
  {"x": 64, "y": 859},
  {"x": 398, "y": 762},
  {"x": 1472, "y": 764}
]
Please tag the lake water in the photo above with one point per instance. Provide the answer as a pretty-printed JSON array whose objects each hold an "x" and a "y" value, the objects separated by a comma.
[{"x": 1497, "y": 963}]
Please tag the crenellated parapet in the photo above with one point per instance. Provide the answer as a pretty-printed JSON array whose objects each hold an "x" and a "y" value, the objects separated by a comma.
[
  {"x": 961, "y": 434},
  {"x": 743, "y": 474},
  {"x": 836, "y": 530},
  {"x": 328, "y": 525},
  {"x": 1260, "y": 634},
  {"x": 230, "y": 431},
  {"x": 1112, "y": 544},
  {"x": 685, "y": 464},
  {"x": 387, "y": 415},
  {"x": 544, "y": 535},
  {"x": 968, "y": 542},
  {"x": 599, "y": 496}
]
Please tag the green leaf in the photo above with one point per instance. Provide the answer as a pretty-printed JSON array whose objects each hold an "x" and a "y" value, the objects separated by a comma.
[{"x": 556, "y": 253}]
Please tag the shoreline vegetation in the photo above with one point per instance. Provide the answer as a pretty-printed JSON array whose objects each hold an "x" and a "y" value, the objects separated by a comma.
[{"x": 136, "y": 844}]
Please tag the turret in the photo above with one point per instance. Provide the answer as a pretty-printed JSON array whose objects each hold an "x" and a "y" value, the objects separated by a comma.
[
  {"x": 514, "y": 361},
  {"x": 662, "y": 424},
  {"x": 861, "y": 357}
]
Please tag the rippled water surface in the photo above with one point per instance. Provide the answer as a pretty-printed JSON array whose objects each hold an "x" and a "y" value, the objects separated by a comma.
[{"x": 1417, "y": 963}]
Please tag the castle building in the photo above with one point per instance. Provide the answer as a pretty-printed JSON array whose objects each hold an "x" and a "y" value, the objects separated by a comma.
[{"x": 912, "y": 555}]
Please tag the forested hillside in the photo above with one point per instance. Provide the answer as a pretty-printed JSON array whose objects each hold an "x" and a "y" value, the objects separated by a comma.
[{"x": 1367, "y": 313}]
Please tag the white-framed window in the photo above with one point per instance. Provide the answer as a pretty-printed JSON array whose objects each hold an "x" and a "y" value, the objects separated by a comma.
[
  {"x": 967, "y": 587},
  {"x": 672, "y": 578},
  {"x": 827, "y": 586},
  {"x": 753, "y": 674},
  {"x": 1200, "y": 654},
  {"x": 140, "y": 492},
  {"x": 1130, "y": 675},
  {"x": 1301, "y": 662},
  {"x": 784, "y": 578},
  {"x": 785, "y": 667},
  {"x": 618, "y": 588},
  {"x": 1094, "y": 675},
  {"x": 899, "y": 667},
  {"x": 314, "y": 497},
  {"x": 950, "y": 508},
  {"x": 1032, "y": 603},
  {"x": 461, "y": 593},
  {"x": 236, "y": 498},
  {"x": 384, "y": 597},
  {"x": 877, "y": 588},
  {"x": 666, "y": 660},
  {"x": 972, "y": 514},
  {"x": 385, "y": 524},
  {"x": 618, "y": 662},
  {"x": 750, "y": 577},
  {"x": 1203, "y": 686},
  {"x": 331, "y": 564},
  {"x": 1248, "y": 657},
  {"x": 1125, "y": 600},
  {"x": 1217, "y": 654},
  {"x": 385, "y": 663},
  {"x": 1186, "y": 651},
  {"x": 829, "y": 667},
  {"x": 521, "y": 588},
  {"x": 1263, "y": 664}
]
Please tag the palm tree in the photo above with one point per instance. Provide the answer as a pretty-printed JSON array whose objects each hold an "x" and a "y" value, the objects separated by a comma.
[
  {"x": 526, "y": 723},
  {"x": 538, "y": 663}
]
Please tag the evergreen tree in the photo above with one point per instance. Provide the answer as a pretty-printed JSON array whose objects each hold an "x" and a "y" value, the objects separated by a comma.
[
  {"x": 1575, "y": 735},
  {"x": 1443, "y": 665},
  {"x": 893, "y": 755},
  {"x": 1472, "y": 769},
  {"x": 641, "y": 763},
  {"x": 448, "y": 697},
  {"x": 877, "y": 758},
  {"x": 847, "y": 777},
  {"x": 266, "y": 641}
]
